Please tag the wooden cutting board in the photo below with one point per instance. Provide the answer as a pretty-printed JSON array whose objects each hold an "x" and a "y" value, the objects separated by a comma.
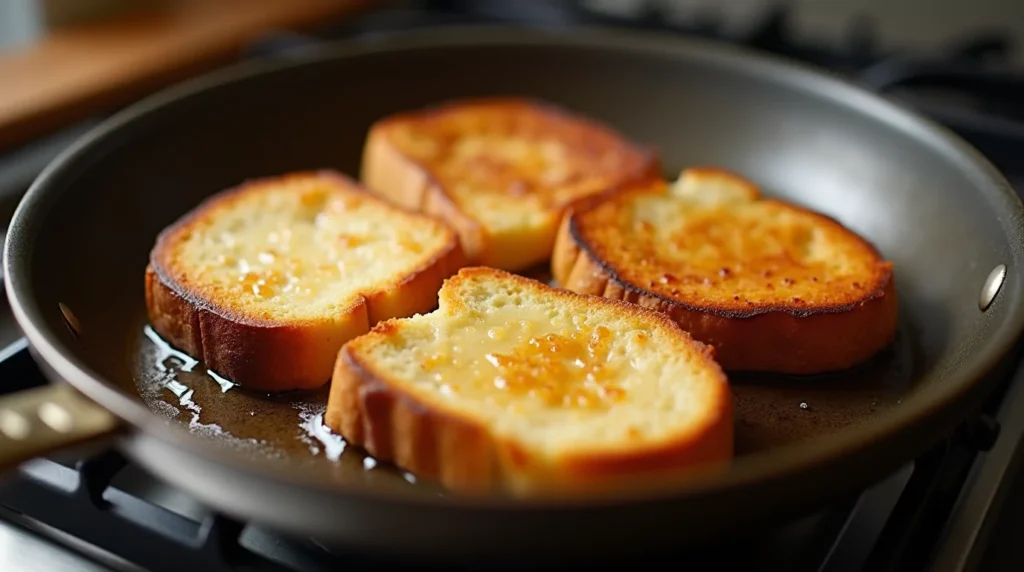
[{"x": 90, "y": 68}]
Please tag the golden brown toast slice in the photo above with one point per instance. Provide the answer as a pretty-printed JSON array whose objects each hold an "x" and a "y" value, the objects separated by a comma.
[
  {"x": 517, "y": 387},
  {"x": 501, "y": 171},
  {"x": 772, "y": 286},
  {"x": 265, "y": 282}
]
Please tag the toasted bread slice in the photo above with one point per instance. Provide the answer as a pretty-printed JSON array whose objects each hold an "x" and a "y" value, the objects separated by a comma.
[
  {"x": 517, "y": 387},
  {"x": 500, "y": 171},
  {"x": 266, "y": 282},
  {"x": 772, "y": 286}
]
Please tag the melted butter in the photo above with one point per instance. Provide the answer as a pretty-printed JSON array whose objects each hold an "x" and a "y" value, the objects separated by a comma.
[
  {"x": 165, "y": 352},
  {"x": 276, "y": 258},
  {"x": 318, "y": 436},
  {"x": 303, "y": 243},
  {"x": 169, "y": 363},
  {"x": 527, "y": 360},
  {"x": 224, "y": 383}
]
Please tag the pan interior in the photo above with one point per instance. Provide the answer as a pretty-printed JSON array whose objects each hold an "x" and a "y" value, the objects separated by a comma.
[
  {"x": 809, "y": 145},
  {"x": 771, "y": 411}
]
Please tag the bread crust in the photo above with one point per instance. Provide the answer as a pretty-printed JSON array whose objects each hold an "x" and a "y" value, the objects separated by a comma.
[
  {"x": 416, "y": 185},
  {"x": 780, "y": 338},
  {"x": 371, "y": 410},
  {"x": 269, "y": 354}
]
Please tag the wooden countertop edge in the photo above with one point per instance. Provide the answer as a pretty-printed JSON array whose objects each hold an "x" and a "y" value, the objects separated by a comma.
[{"x": 35, "y": 102}]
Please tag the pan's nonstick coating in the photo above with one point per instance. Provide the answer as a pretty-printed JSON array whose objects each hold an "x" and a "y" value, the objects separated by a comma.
[{"x": 928, "y": 202}]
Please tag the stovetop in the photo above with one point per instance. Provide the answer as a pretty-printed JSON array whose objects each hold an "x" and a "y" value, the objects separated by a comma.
[{"x": 956, "y": 508}]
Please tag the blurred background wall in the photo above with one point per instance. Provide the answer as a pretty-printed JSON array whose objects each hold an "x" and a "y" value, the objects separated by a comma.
[
  {"x": 913, "y": 24},
  {"x": 904, "y": 24}
]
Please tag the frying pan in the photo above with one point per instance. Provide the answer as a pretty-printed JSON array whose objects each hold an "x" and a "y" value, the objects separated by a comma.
[{"x": 80, "y": 239}]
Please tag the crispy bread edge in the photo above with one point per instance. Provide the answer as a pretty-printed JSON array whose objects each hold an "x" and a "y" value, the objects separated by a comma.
[
  {"x": 780, "y": 339},
  {"x": 270, "y": 355},
  {"x": 372, "y": 411},
  {"x": 388, "y": 171}
]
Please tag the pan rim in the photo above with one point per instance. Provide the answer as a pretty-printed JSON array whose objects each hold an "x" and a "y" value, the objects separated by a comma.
[{"x": 756, "y": 467}]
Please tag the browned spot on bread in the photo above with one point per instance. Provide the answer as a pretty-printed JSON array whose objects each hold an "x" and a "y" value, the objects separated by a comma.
[
  {"x": 501, "y": 170},
  {"x": 774, "y": 287}
]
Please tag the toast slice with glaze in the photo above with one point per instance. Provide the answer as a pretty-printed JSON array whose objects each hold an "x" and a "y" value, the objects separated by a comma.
[
  {"x": 499, "y": 170},
  {"x": 515, "y": 387},
  {"x": 264, "y": 283},
  {"x": 772, "y": 286}
]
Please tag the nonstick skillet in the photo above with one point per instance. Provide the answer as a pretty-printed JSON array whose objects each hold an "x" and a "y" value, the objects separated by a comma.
[{"x": 80, "y": 239}]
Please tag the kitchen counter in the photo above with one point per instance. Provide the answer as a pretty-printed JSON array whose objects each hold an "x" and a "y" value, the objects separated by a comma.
[{"x": 85, "y": 69}]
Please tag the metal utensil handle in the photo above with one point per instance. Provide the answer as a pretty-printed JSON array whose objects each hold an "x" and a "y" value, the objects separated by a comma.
[{"x": 46, "y": 419}]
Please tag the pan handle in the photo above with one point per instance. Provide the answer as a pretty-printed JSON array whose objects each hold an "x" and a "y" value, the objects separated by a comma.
[{"x": 42, "y": 420}]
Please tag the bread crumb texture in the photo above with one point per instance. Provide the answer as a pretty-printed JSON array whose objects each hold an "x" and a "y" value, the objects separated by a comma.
[{"x": 300, "y": 249}]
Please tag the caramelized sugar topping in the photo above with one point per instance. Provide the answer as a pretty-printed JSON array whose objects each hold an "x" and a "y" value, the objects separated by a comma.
[{"x": 570, "y": 369}]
